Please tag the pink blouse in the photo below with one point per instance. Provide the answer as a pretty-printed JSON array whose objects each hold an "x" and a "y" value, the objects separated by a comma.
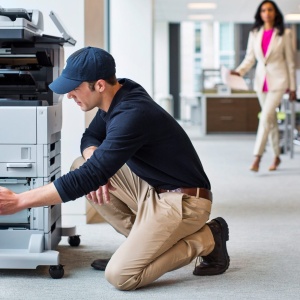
[{"x": 265, "y": 44}]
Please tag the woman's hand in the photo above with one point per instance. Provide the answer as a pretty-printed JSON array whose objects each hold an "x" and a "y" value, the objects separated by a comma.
[
  {"x": 232, "y": 72},
  {"x": 293, "y": 96}
]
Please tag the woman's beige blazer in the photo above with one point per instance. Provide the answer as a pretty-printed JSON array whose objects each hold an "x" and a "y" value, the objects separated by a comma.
[{"x": 278, "y": 66}]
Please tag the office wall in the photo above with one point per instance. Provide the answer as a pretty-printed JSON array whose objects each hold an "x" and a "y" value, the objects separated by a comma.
[
  {"x": 187, "y": 57},
  {"x": 161, "y": 58},
  {"x": 95, "y": 30},
  {"x": 131, "y": 40}
]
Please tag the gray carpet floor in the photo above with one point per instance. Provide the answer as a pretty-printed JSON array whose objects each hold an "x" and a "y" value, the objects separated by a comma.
[{"x": 262, "y": 210}]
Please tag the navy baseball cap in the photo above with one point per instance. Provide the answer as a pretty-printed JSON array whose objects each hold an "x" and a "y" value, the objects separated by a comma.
[{"x": 86, "y": 64}]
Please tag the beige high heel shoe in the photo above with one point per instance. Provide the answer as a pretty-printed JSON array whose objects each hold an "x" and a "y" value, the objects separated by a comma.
[
  {"x": 275, "y": 164},
  {"x": 255, "y": 165}
]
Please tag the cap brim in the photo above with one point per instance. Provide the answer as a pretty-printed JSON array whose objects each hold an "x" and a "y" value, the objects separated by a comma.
[{"x": 63, "y": 85}]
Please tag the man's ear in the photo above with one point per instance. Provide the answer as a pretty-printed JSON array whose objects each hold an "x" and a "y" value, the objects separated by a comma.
[{"x": 100, "y": 85}]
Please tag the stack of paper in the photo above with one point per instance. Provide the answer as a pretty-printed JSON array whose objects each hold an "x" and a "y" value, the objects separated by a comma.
[{"x": 235, "y": 82}]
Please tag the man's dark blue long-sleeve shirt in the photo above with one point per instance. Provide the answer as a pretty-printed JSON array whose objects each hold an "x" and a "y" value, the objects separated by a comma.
[{"x": 138, "y": 132}]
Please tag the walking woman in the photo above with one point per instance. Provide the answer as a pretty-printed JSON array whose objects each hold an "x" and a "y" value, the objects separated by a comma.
[{"x": 270, "y": 44}]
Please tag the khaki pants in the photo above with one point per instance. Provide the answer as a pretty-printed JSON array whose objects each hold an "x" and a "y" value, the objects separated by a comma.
[
  {"x": 268, "y": 127},
  {"x": 164, "y": 231}
]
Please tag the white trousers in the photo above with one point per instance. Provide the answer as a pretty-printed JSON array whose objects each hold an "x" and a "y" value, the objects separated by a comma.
[{"x": 268, "y": 127}]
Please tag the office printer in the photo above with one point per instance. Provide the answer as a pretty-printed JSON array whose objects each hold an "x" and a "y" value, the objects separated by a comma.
[{"x": 30, "y": 138}]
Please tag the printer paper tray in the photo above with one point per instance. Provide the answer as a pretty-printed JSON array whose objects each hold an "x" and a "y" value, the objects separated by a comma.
[
  {"x": 25, "y": 169},
  {"x": 30, "y": 125},
  {"x": 21, "y": 217},
  {"x": 29, "y": 153}
]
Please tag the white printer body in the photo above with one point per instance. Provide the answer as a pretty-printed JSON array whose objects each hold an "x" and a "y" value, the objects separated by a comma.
[
  {"x": 29, "y": 158},
  {"x": 30, "y": 141}
]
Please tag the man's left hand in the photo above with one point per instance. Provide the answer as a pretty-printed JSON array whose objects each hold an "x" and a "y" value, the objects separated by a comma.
[{"x": 101, "y": 196}]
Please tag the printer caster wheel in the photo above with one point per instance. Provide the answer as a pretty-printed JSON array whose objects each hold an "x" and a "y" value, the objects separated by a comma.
[
  {"x": 74, "y": 240},
  {"x": 56, "y": 272}
]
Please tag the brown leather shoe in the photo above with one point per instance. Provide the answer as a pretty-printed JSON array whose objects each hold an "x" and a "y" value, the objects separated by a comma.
[
  {"x": 217, "y": 262},
  {"x": 100, "y": 264}
]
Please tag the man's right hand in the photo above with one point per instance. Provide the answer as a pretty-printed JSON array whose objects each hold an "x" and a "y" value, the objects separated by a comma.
[{"x": 9, "y": 202}]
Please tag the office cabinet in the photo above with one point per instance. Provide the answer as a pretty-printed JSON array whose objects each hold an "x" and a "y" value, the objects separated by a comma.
[{"x": 230, "y": 114}]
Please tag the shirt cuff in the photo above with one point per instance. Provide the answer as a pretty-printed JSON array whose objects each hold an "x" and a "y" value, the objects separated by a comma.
[{"x": 64, "y": 197}]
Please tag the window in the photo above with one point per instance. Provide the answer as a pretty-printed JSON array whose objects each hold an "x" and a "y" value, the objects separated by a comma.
[
  {"x": 226, "y": 40},
  {"x": 198, "y": 74},
  {"x": 197, "y": 37}
]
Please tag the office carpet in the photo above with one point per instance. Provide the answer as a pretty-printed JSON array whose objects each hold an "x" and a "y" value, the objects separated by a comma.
[{"x": 262, "y": 210}]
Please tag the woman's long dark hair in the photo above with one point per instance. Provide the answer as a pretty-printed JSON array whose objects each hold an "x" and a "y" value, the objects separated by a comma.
[{"x": 278, "y": 22}]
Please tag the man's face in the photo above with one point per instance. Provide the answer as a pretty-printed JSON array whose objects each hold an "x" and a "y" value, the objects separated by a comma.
[{"x": 85, "y": 98}]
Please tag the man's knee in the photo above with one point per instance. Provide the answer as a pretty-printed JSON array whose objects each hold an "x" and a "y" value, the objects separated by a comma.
[
  {"x": 113, "y": 274},
  {"x": 78, "y": 162}
]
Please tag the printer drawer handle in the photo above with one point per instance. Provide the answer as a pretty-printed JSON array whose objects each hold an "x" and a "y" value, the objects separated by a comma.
[{"x": 19, "y": 165}]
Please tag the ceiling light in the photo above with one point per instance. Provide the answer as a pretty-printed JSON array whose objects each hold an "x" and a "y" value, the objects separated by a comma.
[
  {"x": 292, "y": 17},
  {"x": 202, "y": 5},
  {"x": 200, "y": 17}
]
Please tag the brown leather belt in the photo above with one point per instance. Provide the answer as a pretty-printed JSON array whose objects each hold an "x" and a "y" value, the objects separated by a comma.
[{"x": 202, "y": 193}]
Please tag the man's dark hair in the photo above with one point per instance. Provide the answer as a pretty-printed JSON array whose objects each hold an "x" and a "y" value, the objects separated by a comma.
[
  {"x": 111, "y": 80},
  {"x": 278, "y": 22}
]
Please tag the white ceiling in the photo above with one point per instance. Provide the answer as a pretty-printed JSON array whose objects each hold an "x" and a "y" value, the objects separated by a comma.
[{"x": 239, "y": 11}]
